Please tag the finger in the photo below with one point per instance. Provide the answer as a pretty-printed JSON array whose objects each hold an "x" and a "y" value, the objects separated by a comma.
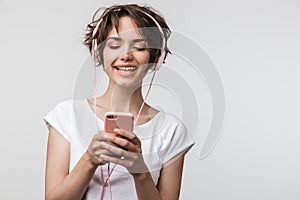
[
  {"x": 100, "y": 150},
  {"x": 96, "y": 155},
  {"x": 126, "y": 134},
  {"x": 131, "y": 165},
  {"x": 119, "y": 152},
  {"x": 129, "y": 135},
  {"x": 117, "y": 160},
  {"x": 124, "y": 143},
  {"x": 97, "y": 136},
  {"x": 116, "y": 151},
  {"x": 100, "y": 136},
  {"x": 98, "y": 141}
]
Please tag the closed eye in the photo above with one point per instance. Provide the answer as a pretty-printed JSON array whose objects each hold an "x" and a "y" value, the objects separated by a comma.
[
  {"x": 140, "y": 48},
  {"x": 114, "y": 46},
  {"x": 114, "y": 43},
  {"x": 140, "y": 45}
]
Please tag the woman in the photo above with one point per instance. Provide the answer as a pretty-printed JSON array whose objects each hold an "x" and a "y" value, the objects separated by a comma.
[{"x": 150, "y": 159}]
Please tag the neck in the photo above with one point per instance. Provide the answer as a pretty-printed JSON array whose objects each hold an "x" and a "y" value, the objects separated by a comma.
[{"x": 120, "y": 99}]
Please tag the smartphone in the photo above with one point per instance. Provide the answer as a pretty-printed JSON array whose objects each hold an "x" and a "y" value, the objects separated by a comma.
[{"x": 120, "y": 120}]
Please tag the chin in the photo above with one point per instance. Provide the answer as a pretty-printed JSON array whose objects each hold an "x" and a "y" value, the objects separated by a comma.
[{"x": 128, "y": 84}]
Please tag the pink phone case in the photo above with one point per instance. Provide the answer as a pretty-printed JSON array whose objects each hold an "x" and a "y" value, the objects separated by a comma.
[{"x": 120, "y": 120}]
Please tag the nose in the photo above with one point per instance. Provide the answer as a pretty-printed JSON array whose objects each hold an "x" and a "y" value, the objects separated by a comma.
[{"x": 127, "y": 55}]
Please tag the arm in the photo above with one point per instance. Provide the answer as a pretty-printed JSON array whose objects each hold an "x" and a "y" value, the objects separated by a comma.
[
  {"x": 59, "y": 183},
  {"x": 169, "y": 184},
  {"x": 170, "y": 178}
]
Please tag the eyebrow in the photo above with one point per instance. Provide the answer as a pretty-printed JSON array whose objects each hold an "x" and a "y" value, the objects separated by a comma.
[
  {"x": 114, "y": 38},
  {"x": 120, "y": 39},
  {"x": 139, "y": 40}
]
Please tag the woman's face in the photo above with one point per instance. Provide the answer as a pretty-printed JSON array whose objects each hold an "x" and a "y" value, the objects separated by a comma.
[{"x": 125, "y": 55}]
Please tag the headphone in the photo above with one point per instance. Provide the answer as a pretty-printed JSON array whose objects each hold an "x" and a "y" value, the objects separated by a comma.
[
  {"x": 160, "y": 60},
  {"x": 97, "y": 62}
]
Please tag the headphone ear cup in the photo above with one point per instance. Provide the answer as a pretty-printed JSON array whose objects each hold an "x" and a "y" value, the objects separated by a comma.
[
  {"x": 160, "y": 61},
  {"x": 97, "y": 58},
  {"x": 95, "y": 54}
]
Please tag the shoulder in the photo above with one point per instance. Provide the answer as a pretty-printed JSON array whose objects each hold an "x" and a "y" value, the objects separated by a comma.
[
  {"x": 68, "y": 110},
  {"x": 175, "y": 136},
  {"x": 168, "y": 126},
  {"x": 170, "y": 120},
  {"x": 68, "y": 106},
  {"x": 61, "y": 117},
  {"x": 61, "y": 108}
]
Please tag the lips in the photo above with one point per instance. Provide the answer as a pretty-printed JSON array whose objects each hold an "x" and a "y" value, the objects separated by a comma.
[{"x": 125, "y": 68}]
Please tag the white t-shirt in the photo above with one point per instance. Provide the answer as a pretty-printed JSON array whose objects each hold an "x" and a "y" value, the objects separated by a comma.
[{"x": 162, "y": 138}]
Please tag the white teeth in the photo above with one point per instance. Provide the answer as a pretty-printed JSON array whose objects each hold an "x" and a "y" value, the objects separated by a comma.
[{"x": 127, "y": 69}]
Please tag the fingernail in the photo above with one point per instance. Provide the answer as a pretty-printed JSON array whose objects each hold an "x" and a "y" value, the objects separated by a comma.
[{"x": 116, "y": 130}]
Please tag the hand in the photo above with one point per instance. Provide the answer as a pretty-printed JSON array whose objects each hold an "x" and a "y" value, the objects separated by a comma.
[
  {"x": 99, "y": 146},
  {"x": 131, "y": 158}
]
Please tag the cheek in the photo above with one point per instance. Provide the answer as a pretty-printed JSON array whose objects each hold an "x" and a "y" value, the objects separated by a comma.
[
  {"x": 142, "y": 57},
  {"x": 109, "y": 56}
]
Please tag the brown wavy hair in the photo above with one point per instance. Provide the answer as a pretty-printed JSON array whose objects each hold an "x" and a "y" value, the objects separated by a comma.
[{"x": 149, "y": 30}]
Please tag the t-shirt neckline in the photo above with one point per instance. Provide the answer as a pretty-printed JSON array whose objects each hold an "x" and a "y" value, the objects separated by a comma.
[{"x": 148, "y": 123}]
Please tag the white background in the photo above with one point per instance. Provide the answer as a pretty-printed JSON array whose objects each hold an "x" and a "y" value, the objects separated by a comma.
[{"x": 255, "y": 46}]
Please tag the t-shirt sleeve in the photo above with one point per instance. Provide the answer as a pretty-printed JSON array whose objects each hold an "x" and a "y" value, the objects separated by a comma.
[
  {"x": 60, "y": 118},
  {"x": 177, "y": 141}
]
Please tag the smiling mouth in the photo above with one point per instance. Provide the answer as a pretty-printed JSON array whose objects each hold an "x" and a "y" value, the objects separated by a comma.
[{"x": 126, "y": 69}]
